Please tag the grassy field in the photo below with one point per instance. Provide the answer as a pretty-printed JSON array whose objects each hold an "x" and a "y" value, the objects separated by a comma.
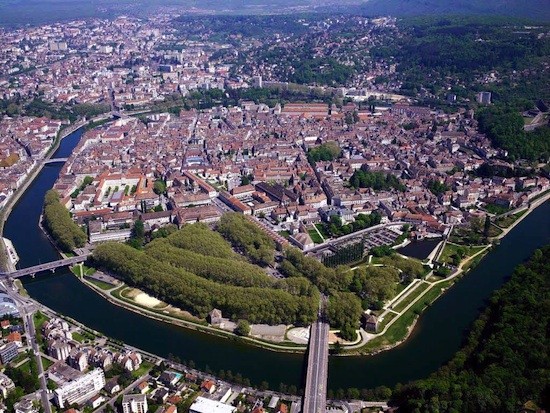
[
  {"x": 322, "y": 230},
  {"x": 505, "y": 222},
  {"x": 143, "y": 369},
  {"x": 46, "y": 363},
  {"x": 387, "y": 318},
  {"x": 411, "y": 297},
  {"x": 399, "y": 330},
  {"x": 451, "y": 249},
  {"x": 284, "y": 234},
  {"x": 494, "y": 231},
  {"x": 100, "y": 284},
  {"x": 474, "y": 262},
  {"x": 39, "y": 320},
  {"x": 21, "y": 288},
  {"x": 315, "y": 236}
]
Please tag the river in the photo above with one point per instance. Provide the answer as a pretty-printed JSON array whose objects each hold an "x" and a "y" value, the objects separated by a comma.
[{"x": 437, "y": 336}]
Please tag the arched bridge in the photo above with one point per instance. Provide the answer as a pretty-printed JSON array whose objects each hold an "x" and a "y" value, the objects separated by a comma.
[{"x": 45, "y": 267}]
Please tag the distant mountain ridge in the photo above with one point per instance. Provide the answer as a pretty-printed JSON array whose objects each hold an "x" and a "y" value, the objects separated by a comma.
[{"x": 533, "y": 9}]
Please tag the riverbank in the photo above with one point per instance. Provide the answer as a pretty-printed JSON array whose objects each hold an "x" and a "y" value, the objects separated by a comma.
[
  {"x": 113, "y": 296},
  {"x": 377, "y": 343},
  {"x": 395, "y": 332},
  {"x": 6, "y": 211}
]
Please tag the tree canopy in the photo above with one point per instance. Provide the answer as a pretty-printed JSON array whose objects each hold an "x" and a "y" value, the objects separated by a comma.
[
  {"x": 506, "y": 360},
  {"x": 57, "y": 220}
]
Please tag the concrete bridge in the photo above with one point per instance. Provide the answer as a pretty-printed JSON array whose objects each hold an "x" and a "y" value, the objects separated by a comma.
[
  {"x": 52, "y": 266},
  {"x": 54, "y": 160},
  {"x": 315, "y": 395}
]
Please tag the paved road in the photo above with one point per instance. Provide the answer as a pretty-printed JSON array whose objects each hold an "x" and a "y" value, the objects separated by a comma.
[
  {"x": 41, "y": 376},
  {"x": 315, "y": 396},
  {"x": 26, "y": 310},
  {"x": 317, "y": 370}
]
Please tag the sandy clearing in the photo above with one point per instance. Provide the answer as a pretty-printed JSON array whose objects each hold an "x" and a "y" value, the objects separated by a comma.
[{"x": 146, "y": 300}]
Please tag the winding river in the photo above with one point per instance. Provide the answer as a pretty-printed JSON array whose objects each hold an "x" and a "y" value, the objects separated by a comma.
[{"x": 437, "y": 336}]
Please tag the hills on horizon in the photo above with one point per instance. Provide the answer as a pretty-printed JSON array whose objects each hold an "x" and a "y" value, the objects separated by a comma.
[
  {"x": 538, "y": 10},
  {"x": 21, "y": 12}
]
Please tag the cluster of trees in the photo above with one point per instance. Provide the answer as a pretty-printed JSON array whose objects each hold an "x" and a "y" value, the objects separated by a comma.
[
  {"x": 345, "y": 255},
  {"x": 222, "y": 270},
  {"x": 432, "y": 50},
  {"x": 87, "y": 181},
  {"x": 504, "y": 126},
  {"x": 437, "y": 187},
  {"x": 247, "y": 238},
  {"x": 375, "y": 285},
  {"x": 505, "y": 361},
  {"x": 25, "y": 382},
  {"x": 328, "y": 280},
  {"x": 379, "y": 181},
  {"x": 38, "y": 107},
  {"x": 57, "y": 220},
  {"x": 200, "y": 295},
  {"x": 409, "y": 268},
  {"x": 328, "y": 151},
  {"x": 201, "y": 239},
  {"x": 224, "y": 28},
  {"x": 336, "y": 228},
  {"x": 137, "y": 235},
  {"x": 323, "y": 71},
  {"x": 344, "y": 312}
]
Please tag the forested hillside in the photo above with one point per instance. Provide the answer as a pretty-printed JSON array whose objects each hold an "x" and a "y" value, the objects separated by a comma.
[{"x": 506, "y": 360}]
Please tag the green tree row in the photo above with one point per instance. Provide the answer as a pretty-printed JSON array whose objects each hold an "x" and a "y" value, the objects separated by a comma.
[
  {"x": 201, "y": 239},
  {"x": 57, "y": 220},
  {"x": 247, "y": 238},
  {"x": 199, "y": 295}
]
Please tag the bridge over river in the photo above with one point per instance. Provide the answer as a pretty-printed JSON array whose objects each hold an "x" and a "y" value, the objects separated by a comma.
[
  {"x": 52, "y": 266},
  {"x": 315, "y": 395}
]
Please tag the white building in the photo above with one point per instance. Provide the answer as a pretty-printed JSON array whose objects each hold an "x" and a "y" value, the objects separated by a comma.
[
  {"x": 81, "y": 389},
  {"x": 134, "y": 403},
  {"x": 203, "y": 405}
]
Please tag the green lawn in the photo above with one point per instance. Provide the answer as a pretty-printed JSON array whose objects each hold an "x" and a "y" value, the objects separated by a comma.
[
  {"x": 322, "y": 230},
  {"x": 26, "y": 366},
  {"x": 100, "y": 284},
  {"x": 315, "y": 236},
  {"x": 411, "y": 297},
  {"x": 387, "y": 318},
  {"x": 143, "y": 369},
  {"x": 496, "y": 209},
  {"x": 39, "y": 320},
  {"x": 46, "y": 363},
  {"x": 284, "y": 234},
  {"x": 398, "y": 330},
  {"x": 473, "y": 263},
  {"x": 505, "y": 222},
  {"x": 451, "y": 249}
]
